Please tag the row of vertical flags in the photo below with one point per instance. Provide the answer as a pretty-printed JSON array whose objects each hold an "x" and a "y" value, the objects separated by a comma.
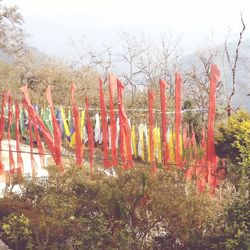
[{"x": 122, "y": 141}]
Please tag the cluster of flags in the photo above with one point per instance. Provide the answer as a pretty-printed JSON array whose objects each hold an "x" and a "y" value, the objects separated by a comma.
[{"x": 122, "y": 142}]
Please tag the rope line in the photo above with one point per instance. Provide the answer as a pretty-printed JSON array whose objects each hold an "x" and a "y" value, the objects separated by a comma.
[{"x": 95, "y": 158}]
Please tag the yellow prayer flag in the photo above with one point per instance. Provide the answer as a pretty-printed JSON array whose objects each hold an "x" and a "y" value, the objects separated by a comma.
[
  {"x": 148, "y": 145},
  {"x": 159, "y": 145},
  {"x": 82, "y": 122},
  {"x": 65, "y": 124},
  {"x": 141, "y": 142},
  {"x": 72, "y": 142},
  {"x": 181, "y": 145},
  {"x": 171, "y": 147},
  {"x": 155, "y": 154},
  {"x": 133, "y": 140}
]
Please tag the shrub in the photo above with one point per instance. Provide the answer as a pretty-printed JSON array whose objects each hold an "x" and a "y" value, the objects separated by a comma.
[
  {"x": 233, "y": 143},
  {"x": 16, "y": 232},
  {"x": 133, "y": 210}
]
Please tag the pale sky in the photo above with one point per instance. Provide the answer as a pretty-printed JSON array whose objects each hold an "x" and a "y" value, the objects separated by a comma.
[{"x": 53, "y": 24}]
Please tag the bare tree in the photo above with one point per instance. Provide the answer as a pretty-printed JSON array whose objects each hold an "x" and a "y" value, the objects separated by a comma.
[
  {"x": 147, "y": 61},
  {"x": 158, "y": 61},
  {"x": 82, "y": 53},
  {"x": 197, "y": 80},
  {"x": 89, "y": 62},
  {"x": 168, "y": 60},
  {"x": 233, "y": 62},
  {"x": 147, "y": 66},
  {"x": 102, "y": 61},
  {"x": 11, "y": 31},
  {"x": 132, "y": 49}
]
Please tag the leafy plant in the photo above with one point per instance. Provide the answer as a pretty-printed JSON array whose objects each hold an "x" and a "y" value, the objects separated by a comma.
[
  {"x": 133, "y": 210},
  {"x": 233, "y": 143},
  {"x": 16, "y": 231}
]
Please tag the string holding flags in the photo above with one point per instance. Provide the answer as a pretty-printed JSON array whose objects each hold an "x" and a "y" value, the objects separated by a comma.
[{"x": 122, "y": 142}]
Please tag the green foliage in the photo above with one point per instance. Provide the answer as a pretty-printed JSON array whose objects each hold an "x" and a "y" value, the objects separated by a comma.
[
  {"x": 15, "y": 229},
  {"x": 234, "y": 232},
  {"x": 237, "y": 233},
  {"x": 233, "y": 143},
  {"x": 133, "y": 210},
  {"x": 234, "y": 138}
]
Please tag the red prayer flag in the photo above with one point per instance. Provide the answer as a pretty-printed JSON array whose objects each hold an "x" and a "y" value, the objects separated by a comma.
[
  {"x": 122, "y": 125},
  {"x": 125, "y": 131},
  {"x": 77, "y": 124},
  {"x": 212, "y": 178},
  {"x": 112, "y": 88},
  {"x": 33, "y": 162},
  {"x": 48, "y": 138},
  {"x": 56, "y": 129},
  {"x": 211, "y": 156},
  {"x": 90, "y": 136},
  {"x": 214, "y": 79},
  {"x": 104, "y": 127},
  {"x": 19, "y": 156},
  {"x": 37, "y": 122},
  {"x": 32, "y": 113},
  {"x": 32, "y": 117},
  {"x": 203, "y": 147},
  {"x": 164, "y": 122}
]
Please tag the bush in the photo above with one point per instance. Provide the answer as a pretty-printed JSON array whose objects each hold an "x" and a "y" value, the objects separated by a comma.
[
  {"x": 16, "y": 231},
  {"x": 133, "y": 210},
  {"x": 233, "y": 140},
  {"x": 233, "y": 143}
]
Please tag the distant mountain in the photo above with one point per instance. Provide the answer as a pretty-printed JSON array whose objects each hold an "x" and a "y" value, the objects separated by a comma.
[{"x": 242, "y": 96}]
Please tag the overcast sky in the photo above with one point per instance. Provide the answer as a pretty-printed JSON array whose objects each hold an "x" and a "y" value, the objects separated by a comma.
[{"x": 53, "y": 24}]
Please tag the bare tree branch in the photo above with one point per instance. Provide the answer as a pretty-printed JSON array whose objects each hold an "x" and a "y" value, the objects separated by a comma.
[{"x": 233, "y": 66}]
